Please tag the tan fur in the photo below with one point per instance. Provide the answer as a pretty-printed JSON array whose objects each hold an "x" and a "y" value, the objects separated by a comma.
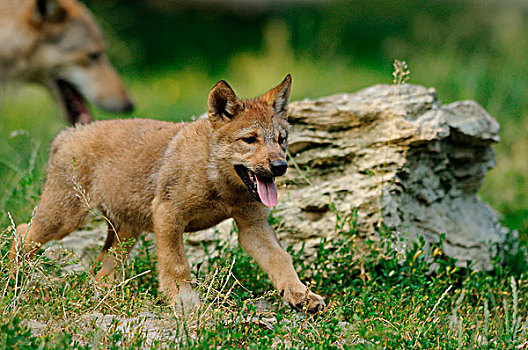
[
  {"x": 63, "y": 42},
  {"x": 148, "y": 175}
]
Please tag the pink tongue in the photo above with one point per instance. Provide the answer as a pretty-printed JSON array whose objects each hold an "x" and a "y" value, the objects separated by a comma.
[{"x": 267, "y": 191}]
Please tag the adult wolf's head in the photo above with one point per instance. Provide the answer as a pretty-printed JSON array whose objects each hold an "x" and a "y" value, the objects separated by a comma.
[
  {"x": 250, "y": 137},
  {"x": 69, "y": 58}
]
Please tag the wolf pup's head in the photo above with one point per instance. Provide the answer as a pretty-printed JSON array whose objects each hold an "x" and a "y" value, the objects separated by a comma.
[
  {"x": 250, "y": 137},
  {"x": 70, "y": 59}
]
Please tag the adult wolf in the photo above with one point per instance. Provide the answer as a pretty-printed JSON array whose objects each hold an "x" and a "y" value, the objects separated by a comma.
[
  {"x": 171, "y": 178},
  {"x": 58, "y": 44}
]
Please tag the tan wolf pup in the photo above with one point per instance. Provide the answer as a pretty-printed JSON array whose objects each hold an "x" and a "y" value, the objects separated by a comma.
[
  {"x": 58, "y": 44},
  {"x": 171, "y": 178}
]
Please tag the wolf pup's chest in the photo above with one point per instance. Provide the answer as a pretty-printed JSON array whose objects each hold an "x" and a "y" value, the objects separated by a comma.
[{"x": 206, "y": 215}]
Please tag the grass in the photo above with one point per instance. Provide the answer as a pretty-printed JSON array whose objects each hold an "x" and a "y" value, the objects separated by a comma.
[{"x": 386, "y": 299}]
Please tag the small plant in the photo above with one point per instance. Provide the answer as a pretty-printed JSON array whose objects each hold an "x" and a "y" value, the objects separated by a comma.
[{"x": 401, "y": 75}]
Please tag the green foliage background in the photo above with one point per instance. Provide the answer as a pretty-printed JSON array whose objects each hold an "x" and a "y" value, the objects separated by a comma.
[{"x": 170, "y": 55}]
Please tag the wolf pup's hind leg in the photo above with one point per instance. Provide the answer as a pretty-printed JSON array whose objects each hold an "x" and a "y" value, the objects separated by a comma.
[
  {"x": 115, "y": 251},
  {"x": 59, "y": 213}
]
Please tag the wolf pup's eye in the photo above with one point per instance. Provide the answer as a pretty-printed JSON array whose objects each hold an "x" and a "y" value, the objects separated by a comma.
[
  {"x": 95, "y": 56},
  {"x": 250, "y": 139}
]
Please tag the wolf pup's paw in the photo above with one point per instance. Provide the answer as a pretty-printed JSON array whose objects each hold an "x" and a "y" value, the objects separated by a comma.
[{"x": 300, "y": 300}]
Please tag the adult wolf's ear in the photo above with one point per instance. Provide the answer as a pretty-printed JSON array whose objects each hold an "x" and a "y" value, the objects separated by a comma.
[
  {"x": 222, "y": 104},
  {"x": 47, "y": 11},
  {"x": 279, "y": 97}
]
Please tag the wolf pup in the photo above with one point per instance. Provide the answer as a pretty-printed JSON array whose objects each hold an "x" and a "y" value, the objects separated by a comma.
[
  {"x": 58, "y": 44},
  {"x": 171, "y": 178}
]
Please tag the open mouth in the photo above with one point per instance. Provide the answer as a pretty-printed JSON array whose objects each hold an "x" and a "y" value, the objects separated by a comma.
[
  {"x": 262, "y": 188},
  {"x": 74, "y": 103}
]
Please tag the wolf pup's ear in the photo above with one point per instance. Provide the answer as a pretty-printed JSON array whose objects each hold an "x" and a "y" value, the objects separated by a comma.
[
  {"x": 279, "y": 97},
  {"x": 222, "y": 104},
  {"x": 47, "y": 11}
]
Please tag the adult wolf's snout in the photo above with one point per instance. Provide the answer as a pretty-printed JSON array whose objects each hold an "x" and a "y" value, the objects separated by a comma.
[
  {"x": 128, "y": 107},
  {"x": 278, "y": 167}
]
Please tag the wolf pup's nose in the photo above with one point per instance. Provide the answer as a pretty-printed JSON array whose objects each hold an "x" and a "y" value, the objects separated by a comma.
[{"x": 278, "y": 167}]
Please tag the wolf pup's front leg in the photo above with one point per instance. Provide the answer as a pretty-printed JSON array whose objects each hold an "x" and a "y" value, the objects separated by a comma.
[
  {"x": 173, "y": 267},
  {"x": 258, "y": 239}
]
